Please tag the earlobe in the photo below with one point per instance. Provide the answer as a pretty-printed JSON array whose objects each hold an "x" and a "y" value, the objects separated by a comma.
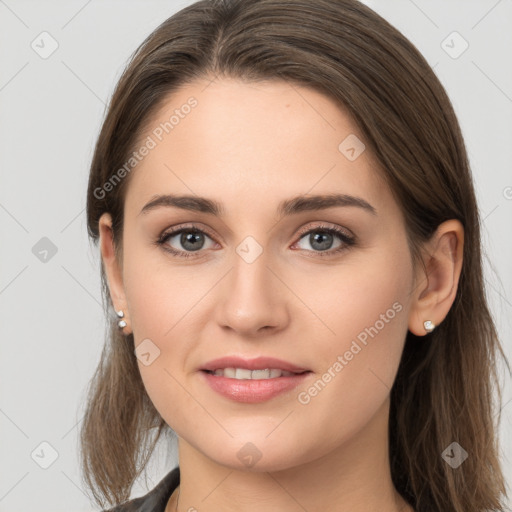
[
  {"x": 436, "y": 290},
  {"x": 111, "y": 266}
]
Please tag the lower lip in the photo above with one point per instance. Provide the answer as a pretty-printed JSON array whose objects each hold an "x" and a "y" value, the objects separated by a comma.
[{"x": 253, "y": 391}]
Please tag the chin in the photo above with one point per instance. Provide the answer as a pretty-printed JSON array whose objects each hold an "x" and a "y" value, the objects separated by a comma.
[{"x": 257, "y": 454}]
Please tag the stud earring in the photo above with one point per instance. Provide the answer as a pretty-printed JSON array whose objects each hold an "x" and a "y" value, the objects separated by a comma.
[
  {"x": 429, "y": 325},
  {"x": 121, "y": 323}
]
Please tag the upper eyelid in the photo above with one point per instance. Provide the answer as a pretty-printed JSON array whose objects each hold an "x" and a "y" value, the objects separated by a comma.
[
  {"x": 184, "y": 227},
  {"x": 326, "y": 226}
]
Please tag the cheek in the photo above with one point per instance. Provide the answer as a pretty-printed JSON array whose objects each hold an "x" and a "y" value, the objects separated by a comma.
[
  {"x": 365, "y": 298},
  {"x": 160, "y": 293}
]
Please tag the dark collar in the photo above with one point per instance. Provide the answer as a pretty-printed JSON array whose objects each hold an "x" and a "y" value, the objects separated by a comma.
[{"x": 156, "y": 499}]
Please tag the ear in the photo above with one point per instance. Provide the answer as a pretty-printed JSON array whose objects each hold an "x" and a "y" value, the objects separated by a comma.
[
  {"x": 112, "y": 268},
  {"x": 435, "y": 291}
]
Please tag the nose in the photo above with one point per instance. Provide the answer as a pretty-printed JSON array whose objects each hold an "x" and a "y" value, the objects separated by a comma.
[{"x": 253, "y": 297}]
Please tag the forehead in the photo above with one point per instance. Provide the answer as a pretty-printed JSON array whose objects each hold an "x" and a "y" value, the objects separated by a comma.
[{"x": 248, "y": 143}]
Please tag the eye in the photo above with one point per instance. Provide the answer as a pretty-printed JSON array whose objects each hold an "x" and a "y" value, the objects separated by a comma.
[
  {"x": 322, "y": 238},
  {"x": 191, "y": 240}
]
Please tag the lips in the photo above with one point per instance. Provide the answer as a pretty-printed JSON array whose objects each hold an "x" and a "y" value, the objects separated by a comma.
[{"x": 252, "y": 380}]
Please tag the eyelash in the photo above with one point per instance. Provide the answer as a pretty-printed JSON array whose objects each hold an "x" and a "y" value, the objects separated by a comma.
[{"x": 347, "y": 240}]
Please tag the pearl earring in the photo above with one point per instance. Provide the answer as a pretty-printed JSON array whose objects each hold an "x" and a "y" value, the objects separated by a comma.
[
  {"x": 429, "y": 325},
  {"x": 121, "y": 323}
]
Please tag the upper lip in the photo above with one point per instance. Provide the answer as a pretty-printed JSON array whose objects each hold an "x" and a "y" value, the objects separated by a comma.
[{"x": 258, "y": 363}]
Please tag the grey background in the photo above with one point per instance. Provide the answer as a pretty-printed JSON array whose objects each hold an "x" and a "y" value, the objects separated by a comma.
[{"x": 51, "y": 323}]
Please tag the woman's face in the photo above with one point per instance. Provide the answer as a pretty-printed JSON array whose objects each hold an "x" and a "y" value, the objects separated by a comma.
[{"x": 263, "y": 280}]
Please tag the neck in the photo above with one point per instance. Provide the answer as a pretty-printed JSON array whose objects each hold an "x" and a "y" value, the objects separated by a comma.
[{"x": 354, "y": 478}]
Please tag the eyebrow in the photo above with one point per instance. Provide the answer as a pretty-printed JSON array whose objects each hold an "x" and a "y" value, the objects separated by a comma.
[{"x": 287, "y": 207}]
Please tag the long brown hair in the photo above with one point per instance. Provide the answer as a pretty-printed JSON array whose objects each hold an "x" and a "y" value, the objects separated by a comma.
[{"x": 445, "y": 385}]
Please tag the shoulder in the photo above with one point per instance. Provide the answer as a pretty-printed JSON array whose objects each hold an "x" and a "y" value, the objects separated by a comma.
[{"x": 156, "y": 499}]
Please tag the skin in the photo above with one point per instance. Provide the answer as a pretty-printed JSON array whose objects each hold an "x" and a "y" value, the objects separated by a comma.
[{"x": 249, "y": 146}]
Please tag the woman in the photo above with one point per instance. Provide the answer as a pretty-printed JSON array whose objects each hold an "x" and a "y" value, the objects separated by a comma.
[{"x": 291, "y": 261}]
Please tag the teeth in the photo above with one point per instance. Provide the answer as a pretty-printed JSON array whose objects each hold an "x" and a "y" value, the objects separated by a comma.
[
  {"x": 244, "y": 374},
  {"x": 229, "y": 372},
  {"x": 241, "y": 373}
]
